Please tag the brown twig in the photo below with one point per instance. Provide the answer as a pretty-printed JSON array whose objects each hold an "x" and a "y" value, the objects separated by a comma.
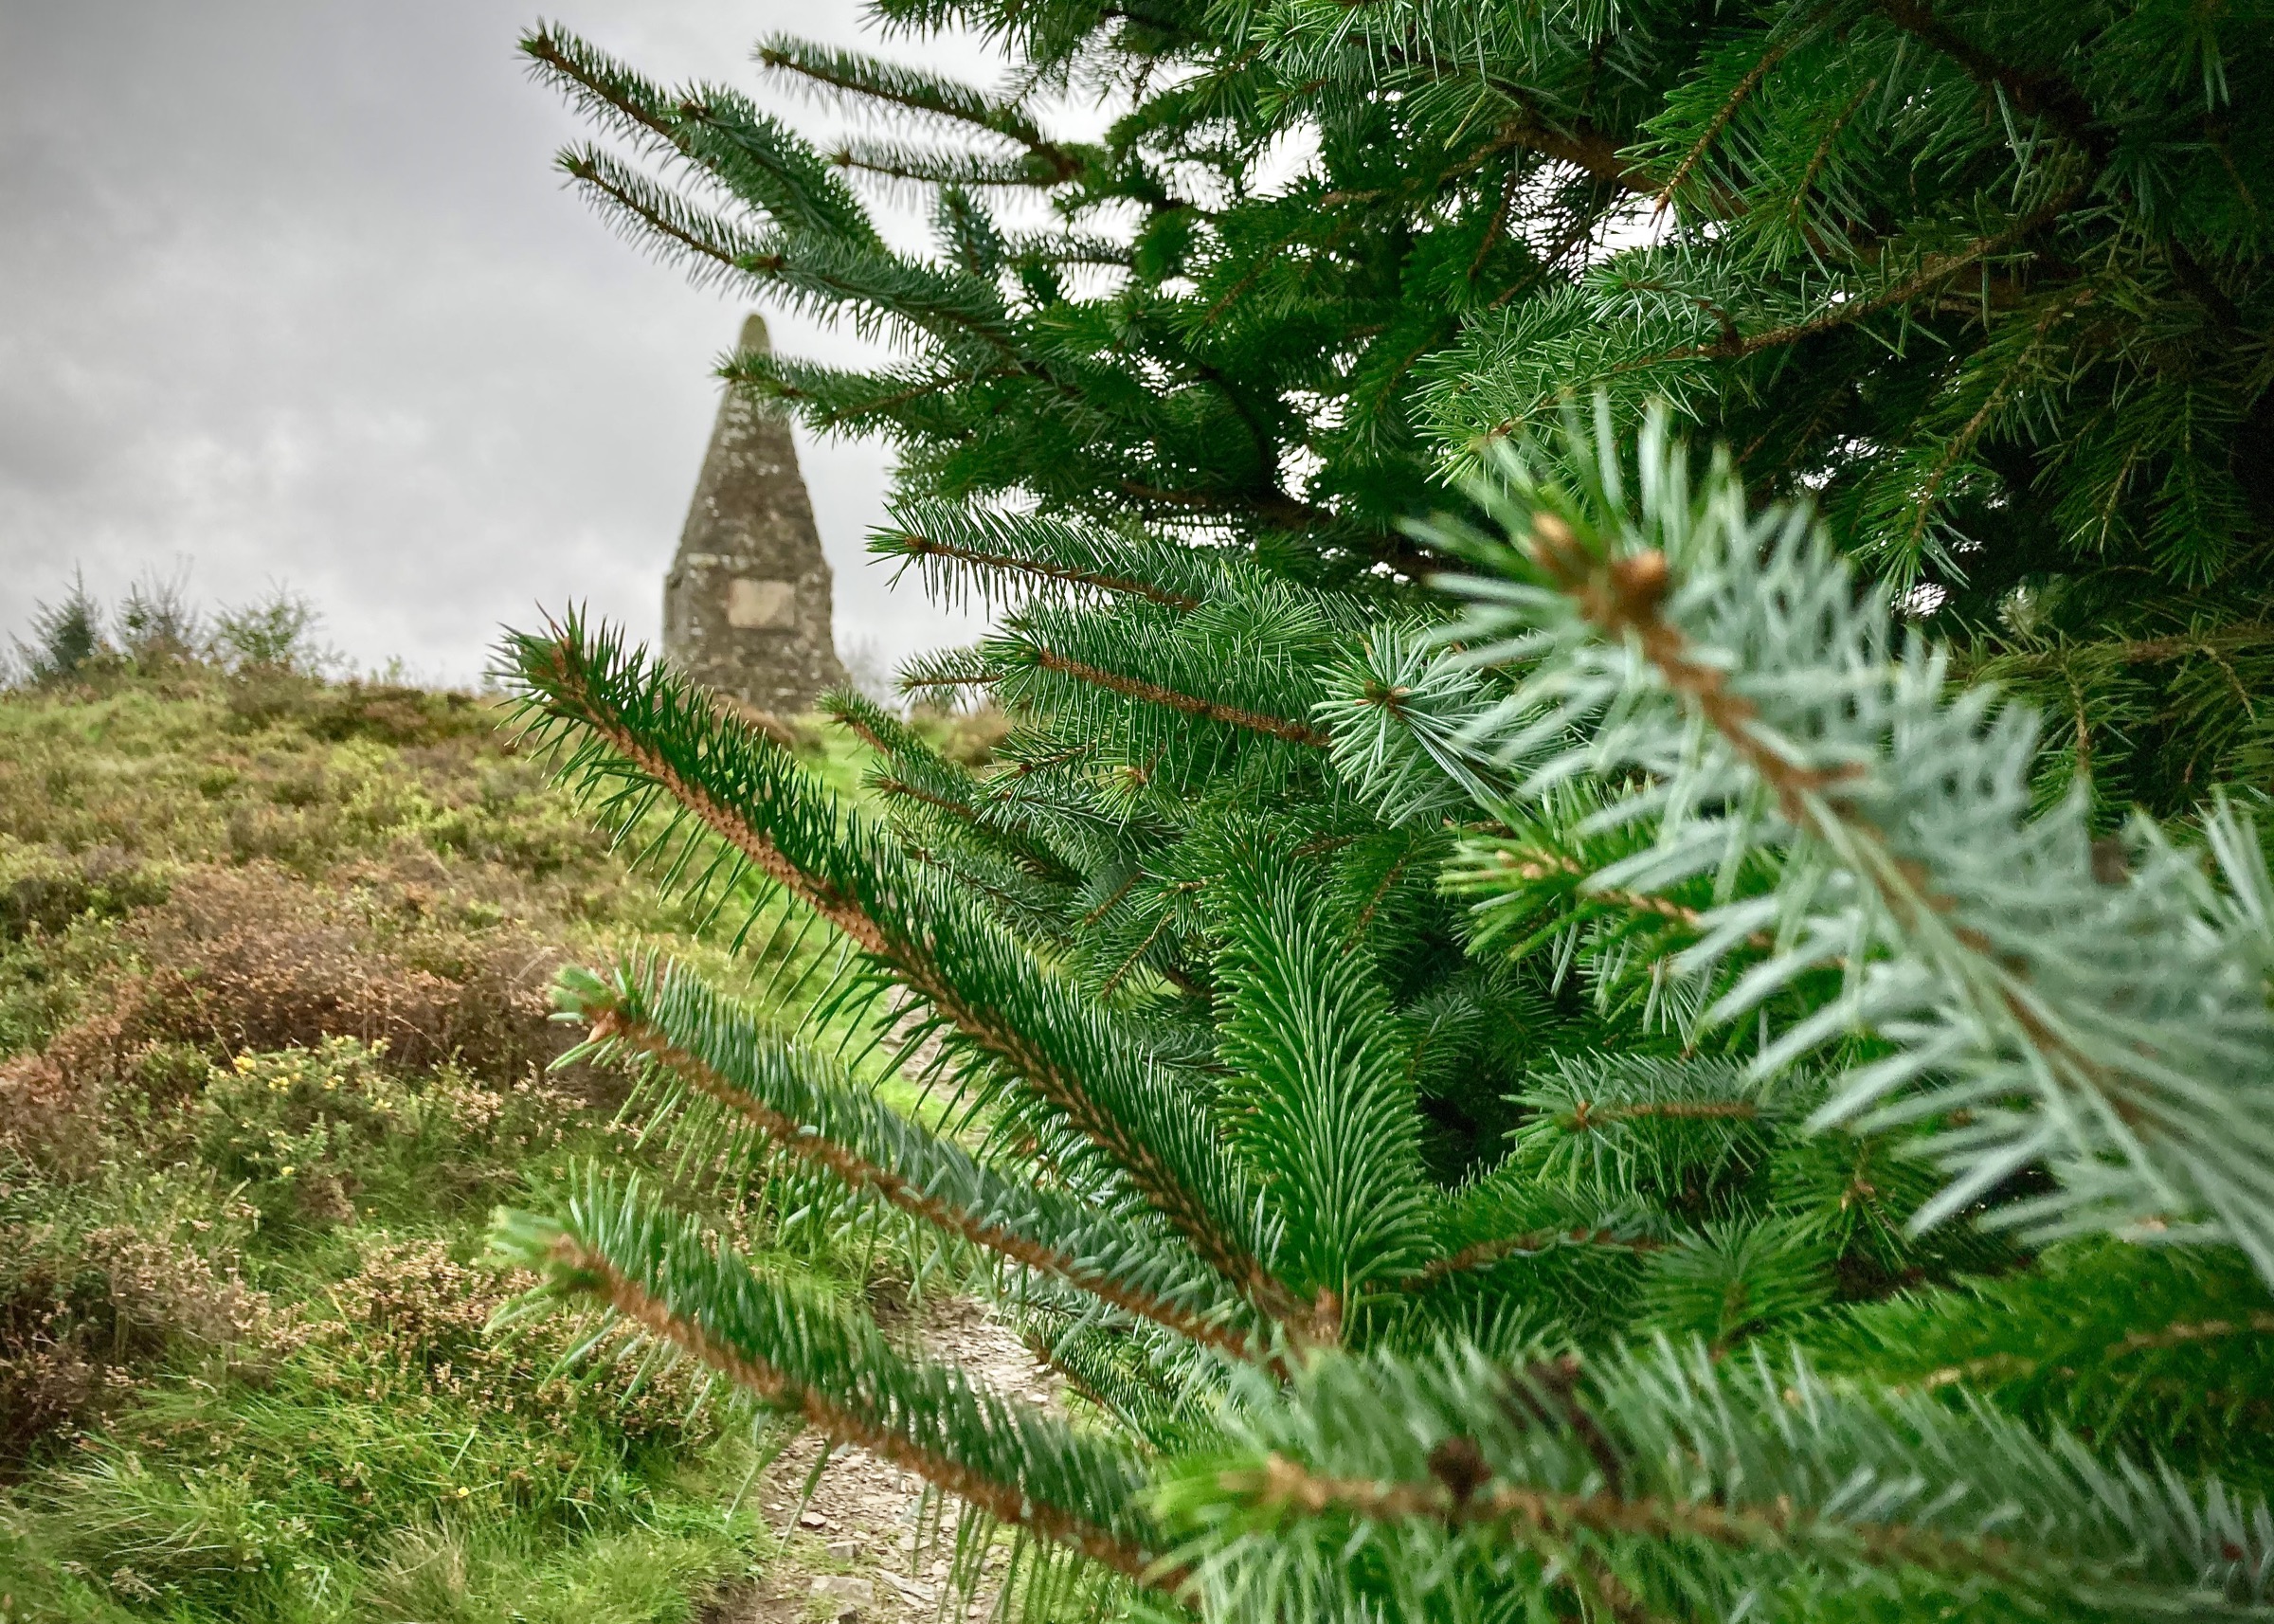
[
  {"x": 1191, "y": 704},
  {"x": 802, "y": 1140},
  {"x": 1006, "y": 1503},
  {"x": 924, "y": 546},
  {"x": 1183, "y": 1209}
]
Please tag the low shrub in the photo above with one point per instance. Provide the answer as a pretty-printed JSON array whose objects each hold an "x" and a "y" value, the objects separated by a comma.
[
  {"x": 419, "y": 1314},
  {"x": 312, "y": 1134},
  {"x": 42, "y": 888},
  {"x": 247, "y": 959},
  {"x": 89, "y": 1309},
  {"x": 262, "y": 697}
]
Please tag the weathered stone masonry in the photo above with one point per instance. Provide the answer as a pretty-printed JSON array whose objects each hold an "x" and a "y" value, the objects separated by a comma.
[{"x": 746, "y": 604}]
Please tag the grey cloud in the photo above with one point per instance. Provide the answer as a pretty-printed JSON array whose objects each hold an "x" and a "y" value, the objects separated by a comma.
[{"x": 288, "y": 289}]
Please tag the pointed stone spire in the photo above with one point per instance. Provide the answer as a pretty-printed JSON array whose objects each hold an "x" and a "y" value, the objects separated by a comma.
[{"x": 746, "y": 604}]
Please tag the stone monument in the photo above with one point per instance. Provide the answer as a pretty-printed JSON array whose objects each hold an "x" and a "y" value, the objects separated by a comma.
[{"x": 745, "y": 606}]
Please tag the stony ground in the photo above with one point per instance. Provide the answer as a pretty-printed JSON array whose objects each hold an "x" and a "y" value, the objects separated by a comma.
[{"x": 853, "y": 1549}]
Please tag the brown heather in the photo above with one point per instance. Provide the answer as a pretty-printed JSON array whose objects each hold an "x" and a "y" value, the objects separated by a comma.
[
  {"x": 79, "y": 1313},
  {"x": 413, "y": 1318},
  {"x": 345, "y": 900},
  {"x": 273, "y": 1044}
]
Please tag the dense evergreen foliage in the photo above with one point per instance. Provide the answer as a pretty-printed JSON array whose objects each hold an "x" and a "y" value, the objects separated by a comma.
[
  {"x": 1616, "y": 1086},
  {"x": 1992, "y": 279}
]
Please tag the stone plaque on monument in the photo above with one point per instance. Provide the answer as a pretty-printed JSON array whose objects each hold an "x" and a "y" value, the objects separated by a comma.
[{"x": 745, "y": 606}]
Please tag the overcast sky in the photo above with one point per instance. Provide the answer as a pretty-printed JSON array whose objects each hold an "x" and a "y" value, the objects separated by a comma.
[{"x": 289, "y": 292}]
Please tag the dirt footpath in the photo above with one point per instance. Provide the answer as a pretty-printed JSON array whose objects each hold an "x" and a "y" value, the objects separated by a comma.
[{"x": 853, "y": 1550}]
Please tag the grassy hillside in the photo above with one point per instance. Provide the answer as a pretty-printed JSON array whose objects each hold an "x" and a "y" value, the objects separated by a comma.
[{"x": 273, "y": 1042}]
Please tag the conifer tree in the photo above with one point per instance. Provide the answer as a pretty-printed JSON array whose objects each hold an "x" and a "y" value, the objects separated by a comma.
[
  {"x": 1990, "y": 278},
  {"x": 1339, "y": 1384},
  {"x": 1619, "y": 1090}
]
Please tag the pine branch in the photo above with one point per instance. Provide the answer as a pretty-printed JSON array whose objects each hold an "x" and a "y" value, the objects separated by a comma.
[
  {"x": 1535, "y": 886},
  {"x": 1020, "y": 1467},
  {"x": 901, "y": 86},
  {"x": 601, "y": 87},
  {"x": 669, "y": 1017},
  {"x": 822, "y": 273},
  {"x": 772, "y": 169},
  {"x": 1780, "y": 44},
  {"x": 1400, "y": 712},
  {"x": 832, "y": 399},
  {"x": 1271, "y": 506},
  {"x": 898, "y": 160},
  {"x": 948, "y": 669},
  {"x": 2118, "y": 1013},
  {"x": 644, "y": 730},
  {"x": 661, "y": 220},
  {"x": 2034, "y": 95},
  {"x": 1319, "y": 1093},
  {"x": 2161, "y": 1349},
  {"x": 913, "y": 772},
  {"x": 1007, "y": 554},
  {"x": 1482, "y": 1254},
  {"x": 1689, "y": 1484},
  {"x": 1929, "y": 270},
  {"x": 1190, "y": 705},
  {"x": 759, "y": 160},
  {"x": 1247, "y": 662},
  {"x": 1622, "y": 1123}
]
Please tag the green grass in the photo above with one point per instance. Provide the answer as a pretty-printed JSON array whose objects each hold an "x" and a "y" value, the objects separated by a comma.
[{"x": 272, "y": 1047}]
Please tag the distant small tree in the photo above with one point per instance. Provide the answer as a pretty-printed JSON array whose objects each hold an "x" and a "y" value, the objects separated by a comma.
[
  {"x": 158, "y": 625},
  {"x": 273, "y": 633},
  {"x": 871, "y": 673},
  {"x": 66, "y": 636}
]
